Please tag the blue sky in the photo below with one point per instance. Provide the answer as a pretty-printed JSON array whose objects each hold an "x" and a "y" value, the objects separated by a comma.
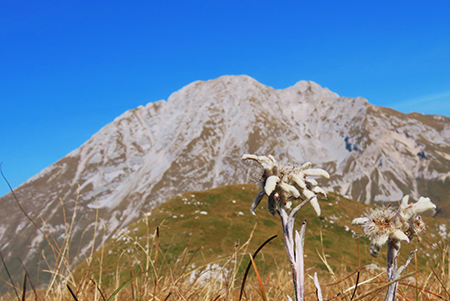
[{"x": 68, "y": 68}]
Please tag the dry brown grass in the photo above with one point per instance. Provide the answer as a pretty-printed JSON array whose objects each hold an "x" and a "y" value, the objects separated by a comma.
[
  {"x": 222, "y": 280},
  {"x": 154, "y": 278}
]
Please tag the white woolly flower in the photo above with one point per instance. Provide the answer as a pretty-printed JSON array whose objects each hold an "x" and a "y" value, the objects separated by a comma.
[
  {"x": 286, "y": 183},
  {"x": 396, "y": 225}
]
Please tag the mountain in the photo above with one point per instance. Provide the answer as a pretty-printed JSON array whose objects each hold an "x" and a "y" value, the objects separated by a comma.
[{"x": 194, "y": 141}]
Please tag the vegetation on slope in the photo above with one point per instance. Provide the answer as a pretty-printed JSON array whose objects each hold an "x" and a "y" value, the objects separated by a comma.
[
  {"x": 196, "y": 246},
  {"x": 203, "y": 230}
]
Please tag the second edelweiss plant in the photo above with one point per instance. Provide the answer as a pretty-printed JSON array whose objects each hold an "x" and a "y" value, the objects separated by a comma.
[
  {"x": 396, "y": 225},
  {"x": 284, "y": 185},
  {"x": 391, "y": 226}
]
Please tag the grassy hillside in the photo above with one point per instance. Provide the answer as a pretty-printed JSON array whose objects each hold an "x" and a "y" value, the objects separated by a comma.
[{"x": 208, "y": 230}]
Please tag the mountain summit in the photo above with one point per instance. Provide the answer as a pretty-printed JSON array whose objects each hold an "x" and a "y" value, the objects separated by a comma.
[{"x": 194, "y": 141}]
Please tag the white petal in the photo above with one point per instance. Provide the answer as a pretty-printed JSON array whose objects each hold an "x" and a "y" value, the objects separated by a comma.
[
  {"x": 360, "y": 220},
  {"x": 312, "y": 182},
  {"x": 305, "y": 166},
  {"x": 405, "y": 200},
  {"x": 317, "y": 172},
  {"x": 249, "y": 157},
  {"x": 318, "y": 190},
  {"x": 272, "y": 158},
  {"x": 307, "y": 193},
  {"x": 407, "y": 212},
  {"x": 299, "y": 181},
  {"x": 315, "y": 204},
  {"x": 422, "y": 205},
  {"x": 266, "y": 163},
  {"x": 423, "y": 199},
  {"x": 270, "y": 185},
  {"x": 400, "y": 236},
  {"x": 291, "y": 190}
]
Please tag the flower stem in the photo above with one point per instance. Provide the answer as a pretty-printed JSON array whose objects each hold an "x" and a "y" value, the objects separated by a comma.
[
  {"x": 295, "y": 251},
  {"x": 392, "y": 252}
]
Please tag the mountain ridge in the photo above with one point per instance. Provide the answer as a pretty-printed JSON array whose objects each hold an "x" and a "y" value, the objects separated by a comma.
[{"x": 194, "y": 141}]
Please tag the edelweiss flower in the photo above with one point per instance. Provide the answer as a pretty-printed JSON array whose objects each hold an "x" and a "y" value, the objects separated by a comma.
[
  {"x": 402, "y": 224},
  {"x": 284, "y": 183}
]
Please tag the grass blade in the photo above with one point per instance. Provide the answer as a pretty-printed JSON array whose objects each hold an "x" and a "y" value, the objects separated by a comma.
[
  {"x": 123, "y": 285},
  {"x": 9, "y": 275},
  {"x": 98, "y": 288},
  {"x": 71, "y": 292},
  {"x": 440, "y": 281},
  {"x": 168, "y": 296},
  {"x": 250, "y": 263},
  {"x": 356, "y": 286},
  {"x": 263, "y": 292},
  {"x": 359, "y": 271},
  {"x": 371, "y": 291},
  {"x": 29, "y": 278},
  {"x": 24, "y": 288}
]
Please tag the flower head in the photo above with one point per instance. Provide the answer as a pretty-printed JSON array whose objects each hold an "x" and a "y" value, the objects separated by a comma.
[
  {"x": 284, "y": 183},
  {"x": 396, "y": 225}
]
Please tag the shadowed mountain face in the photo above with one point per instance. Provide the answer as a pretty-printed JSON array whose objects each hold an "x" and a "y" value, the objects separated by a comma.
[{"x": 194, "y": 141}]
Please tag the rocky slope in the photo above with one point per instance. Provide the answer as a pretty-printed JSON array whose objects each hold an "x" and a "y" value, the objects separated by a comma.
[{"x": 194, "y": 141}]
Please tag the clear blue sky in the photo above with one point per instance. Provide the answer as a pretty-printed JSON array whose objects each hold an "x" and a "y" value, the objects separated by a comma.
[{"x": 67, "y": 68}]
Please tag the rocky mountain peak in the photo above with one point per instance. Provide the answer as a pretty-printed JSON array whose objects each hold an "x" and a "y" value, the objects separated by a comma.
[{"x": 194, "y": 141}]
